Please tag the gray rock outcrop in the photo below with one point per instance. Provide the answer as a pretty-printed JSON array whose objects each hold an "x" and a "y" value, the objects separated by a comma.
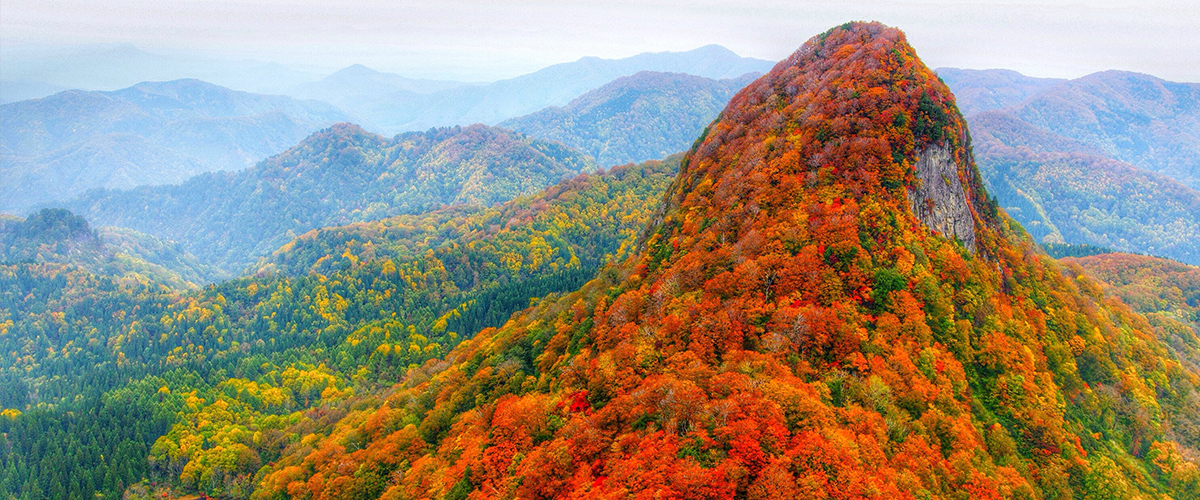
[{"x": 938, "y": 199}]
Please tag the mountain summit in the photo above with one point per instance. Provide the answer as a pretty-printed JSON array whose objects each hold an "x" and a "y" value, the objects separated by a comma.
[
  {"x": 852, "y": 122},
  {"x": 827, "y": 306}
]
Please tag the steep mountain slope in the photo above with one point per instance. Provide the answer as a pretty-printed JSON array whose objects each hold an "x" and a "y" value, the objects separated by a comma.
[
  {"x": 827, "y": 306},
  {"x": 1139, "y": 119},
  {"x": 1066, "y": 191},
  {"x": 635, "y": 118},
  {"x": 56, "y": 236},
  {"x": 152, "y": 133},
  {"x": 336, "y": 176},
  {"x": 101, "y": 369},
  {"x": 988, "y": 89},
  {"x": 1167, "y": 292},
  {"x": 552, "y": 86},
  {"x": 1148, "y": 283}
]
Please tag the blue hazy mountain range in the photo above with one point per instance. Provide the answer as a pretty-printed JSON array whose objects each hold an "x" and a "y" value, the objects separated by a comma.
[
  {"x": 44, "y": 70},
  {"x": 1130, "y": 139},
  {"x": 1109, "y": 159},
  {"x": 152, "y": 133},
  {"x": 58, "y": 146},
  {"x": 391, "y": 104},
  {"x": 632, "y": 119},
  {"x": 337, "y": 176}
]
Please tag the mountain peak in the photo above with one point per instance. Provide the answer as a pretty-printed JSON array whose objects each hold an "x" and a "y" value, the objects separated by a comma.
[
  {"x": 355, "y": 70},
  {"x": 790, "y": 329},
  {"x": 713, "y": 49},
  {"x": 852, "y": 124}
]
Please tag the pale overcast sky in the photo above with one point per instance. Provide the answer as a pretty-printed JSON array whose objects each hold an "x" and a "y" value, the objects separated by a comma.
[{"x": 486, "y": 40}]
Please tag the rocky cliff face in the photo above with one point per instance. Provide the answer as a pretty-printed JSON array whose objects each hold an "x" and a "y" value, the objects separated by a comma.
[{"x": 939, "y": 200}]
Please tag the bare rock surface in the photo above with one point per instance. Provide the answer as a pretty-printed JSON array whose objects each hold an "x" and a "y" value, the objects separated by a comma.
[{"x": 939, "y": 199}]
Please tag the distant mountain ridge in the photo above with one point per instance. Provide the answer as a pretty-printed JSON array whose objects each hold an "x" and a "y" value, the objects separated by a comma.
[
  {"x": 648, "y": 115},
  {"x": 1139, "y": 119},
  {"x": 361, "y": 88},
  {"x": 338, "y": 175},
  {"x": 1102, "y": 160},
  {"x": 989, "y": 89},
  {"x": 1077, "y": 197},
  {"x": 58, "y": 237},
  {"x": 150, "y": 133},
  {"x": 21, "y": 90},
  {"x": 359, "y": 80},
  {"x": 120, "y": 65},
  {"x": 395, "y": 109}
]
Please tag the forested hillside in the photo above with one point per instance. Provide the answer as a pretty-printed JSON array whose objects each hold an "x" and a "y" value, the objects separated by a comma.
[
  {"x": 1139, "y": 119},
  {"x": 636, "y": 118},
  {"x": 337, "y": 176},
  {"x": 56, "y": 236},
  {"x": 1064, "y": 191},
  {"x": 1075, "y": 161},
  {"x": 593, "y": 212},
  {"x": 822, "y": 298},
  {"x": 57, "y": 147},
  {"x": 1167, "y": 292},
  {"x": 108, "y": 381},
  {"x": 806, "y": 317}
]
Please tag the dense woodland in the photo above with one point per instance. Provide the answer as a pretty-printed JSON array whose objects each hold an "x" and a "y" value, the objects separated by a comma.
[
  {"x": 1065, "y": 191},
  {"x": 778, "y": 325},
  {"x": 339, "y": 175},
  {"x": 55, "y": 235},
  {"x": 790, "y": 330},
  {"x": 1165, "y": 291},
  {"x": 202, "y": 389}
]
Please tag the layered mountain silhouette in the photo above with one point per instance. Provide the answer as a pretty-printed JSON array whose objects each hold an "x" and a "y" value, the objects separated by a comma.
[
  {"x": 363, "y": 89},
  {"x": 635, "y": 118},
  {"x": 989, "y": 89},
  {"x": 827, "y": 305},
  {"x": 1102, "y": 160},
  {"x": 339, "y": 175},
  {"x": 152, "y": 133},
  {"x": 404, "y": 105},
  {"x": 1066, "y": 191},
  {"x": 1139, "y": 119},
  {"x": 114, "y": 66}
]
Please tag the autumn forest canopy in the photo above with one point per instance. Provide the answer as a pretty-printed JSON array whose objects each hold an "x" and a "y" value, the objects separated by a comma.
[{"x": 823, "y": 297}]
